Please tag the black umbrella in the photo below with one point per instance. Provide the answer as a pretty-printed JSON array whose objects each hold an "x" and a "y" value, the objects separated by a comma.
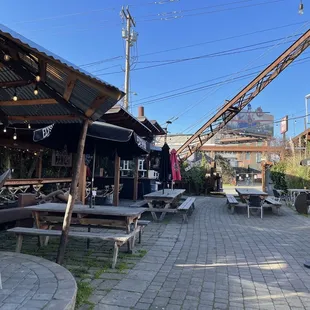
[{"x": 165, "y": 165}]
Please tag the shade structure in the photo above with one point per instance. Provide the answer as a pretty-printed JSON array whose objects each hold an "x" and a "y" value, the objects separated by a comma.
[
  {"x": 175, "y": 167},
  {"x": 106, "y": 138},
  {"x": 165, "y": 165}
]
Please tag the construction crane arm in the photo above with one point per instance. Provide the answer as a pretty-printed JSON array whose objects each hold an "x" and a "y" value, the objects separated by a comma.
[{"x": 243, "y": 98}]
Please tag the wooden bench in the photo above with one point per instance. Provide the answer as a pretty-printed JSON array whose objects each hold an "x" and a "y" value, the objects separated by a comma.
[
  {"x": 187, "y": 207},
  {"x": 233, "y": 202},
  {"x": 142, "y": 224},
  {"x": 139, "y": 204},
  {"x": 118, "y": 238},
  {"x": 274, "y": 203}
]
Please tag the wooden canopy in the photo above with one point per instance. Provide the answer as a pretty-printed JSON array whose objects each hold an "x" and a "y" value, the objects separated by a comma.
[{"x": 37, "y": 86}]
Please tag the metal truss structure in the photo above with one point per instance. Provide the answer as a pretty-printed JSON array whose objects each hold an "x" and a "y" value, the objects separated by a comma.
[{"x": 243, "y": 98}]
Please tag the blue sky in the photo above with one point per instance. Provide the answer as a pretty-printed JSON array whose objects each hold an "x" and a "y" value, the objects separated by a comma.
[{"x": 84, "y": 32}]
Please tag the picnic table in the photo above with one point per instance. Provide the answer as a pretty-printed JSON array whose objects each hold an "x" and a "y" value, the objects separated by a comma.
[
  {"x": 125, "y": 218},
  {"x": 166, "y": 198},
  {"x": 254, "y": 198},
  {"x": 245, "y": 192}
]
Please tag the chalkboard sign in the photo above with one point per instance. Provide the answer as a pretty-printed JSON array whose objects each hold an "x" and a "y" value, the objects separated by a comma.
[{"x": 61, "y": 158}]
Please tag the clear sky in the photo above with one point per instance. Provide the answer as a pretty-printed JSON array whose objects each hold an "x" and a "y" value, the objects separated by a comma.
[{"x": 86, "y": 32}]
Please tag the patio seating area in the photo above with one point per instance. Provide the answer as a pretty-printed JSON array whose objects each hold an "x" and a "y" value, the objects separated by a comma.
[{"x": 216, "y": 261}]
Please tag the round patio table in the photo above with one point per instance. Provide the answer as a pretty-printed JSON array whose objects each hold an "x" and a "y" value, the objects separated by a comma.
[{"x": 30, "y": 282}]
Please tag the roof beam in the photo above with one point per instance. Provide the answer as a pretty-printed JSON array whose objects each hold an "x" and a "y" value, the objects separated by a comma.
[
  {"x": 43, "y": 118},
  {"x": 20, "y": 69},
  {"x": 99, "y": 101},
  {"x": 42, "y": 67},
  {"x": 9, "y": 84},
  {"x": 69, "y": 86},
  {"x": 17, "y": 103}
]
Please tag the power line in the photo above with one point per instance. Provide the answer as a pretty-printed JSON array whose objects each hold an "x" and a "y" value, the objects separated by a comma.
[
  {"x": 193, "y": 45},
  {"x": 234, "y": 51},
  {"x": 62, "y": 16},
  {"x": 166, "y": 14},
  {"x": 174, "y": 17}
]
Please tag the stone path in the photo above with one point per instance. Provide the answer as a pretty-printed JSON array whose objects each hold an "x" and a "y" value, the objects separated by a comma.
[
  {"x": 220, "y": 261},
  {"x": 31, "y": 283}
]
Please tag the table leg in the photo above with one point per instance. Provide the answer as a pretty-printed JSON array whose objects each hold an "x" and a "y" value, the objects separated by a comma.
[
  {"x": 135, "y": 222},
  {"x": 129, "y": 244},
  {"x": 36, "y": 216},
  {"x": 150, "y": 204},
  {"x": 167, "y": 206}
]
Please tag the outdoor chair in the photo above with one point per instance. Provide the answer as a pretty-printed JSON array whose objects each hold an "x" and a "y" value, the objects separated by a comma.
[
  {"x": 255, "y": 202},
  {"x": 278, "y": 196}
]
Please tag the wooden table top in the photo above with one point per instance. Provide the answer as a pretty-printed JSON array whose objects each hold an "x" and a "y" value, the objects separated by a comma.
[
  {"x": 250, "y": 192},
  {"x": 35, "y": 181},
  {"x": 83, "y": 209},
  {"x": 167, "y": 194}
]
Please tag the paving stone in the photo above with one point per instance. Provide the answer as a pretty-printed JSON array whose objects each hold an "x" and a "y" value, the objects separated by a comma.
[
  {"x": 121, "y": 298},
  {"x": 142, "y": 306},
  {"x": 130, "y": 286}
]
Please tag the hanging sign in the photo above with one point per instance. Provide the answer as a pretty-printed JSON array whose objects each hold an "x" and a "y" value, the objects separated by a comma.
[
  {"x": 61, "y": 158},
  {"x": 42, "y": 133}
]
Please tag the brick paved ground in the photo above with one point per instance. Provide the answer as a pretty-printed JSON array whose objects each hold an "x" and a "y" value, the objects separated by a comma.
[
  {"x": 216, "y": 261},
  {"x": 221, "y": 261}
]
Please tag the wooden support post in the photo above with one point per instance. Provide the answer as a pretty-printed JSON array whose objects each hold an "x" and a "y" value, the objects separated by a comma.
[
  {"x": 39, "y": 167},
  {"x": 19, "y": 243},
  {"x": 117, "y": 163},
  {"x": 263, "y": 176},
  {"x": 135, "y": 179},
  {"x": 82, "y": 181},
  {"x": 72, "y": 194}
]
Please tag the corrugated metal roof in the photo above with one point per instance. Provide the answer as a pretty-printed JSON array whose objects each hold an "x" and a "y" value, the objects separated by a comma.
[
  {"x": 41, "y": 50},
  {"x": 59, "y": 73},
  {"x": 120, "y": 117}
]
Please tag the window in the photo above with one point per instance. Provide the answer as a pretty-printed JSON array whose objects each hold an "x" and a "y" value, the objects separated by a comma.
[
  {"x": 141, "y": 164},
  {"x": 247, "y": 156},
  {"x": 126, "y": 165},
  {"x": 258, "y": 157}
]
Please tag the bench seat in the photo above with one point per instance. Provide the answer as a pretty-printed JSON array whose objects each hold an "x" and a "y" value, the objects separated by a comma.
[
  {"x": 139, "y": 204},
  {"x": 187, "y": 207},
  {"x": 118, "y": 238},
  {"x": 142, "y": 224}
]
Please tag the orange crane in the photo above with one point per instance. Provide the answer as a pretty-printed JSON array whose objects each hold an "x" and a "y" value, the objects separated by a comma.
[{"x": 243, "y": 98}]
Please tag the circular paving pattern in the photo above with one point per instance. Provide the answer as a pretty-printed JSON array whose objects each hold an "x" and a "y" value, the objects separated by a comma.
[{"x": 30, "y": 282}]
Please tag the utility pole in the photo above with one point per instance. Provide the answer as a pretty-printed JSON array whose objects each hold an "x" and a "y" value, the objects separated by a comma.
[{"x": 130, "y": 37}]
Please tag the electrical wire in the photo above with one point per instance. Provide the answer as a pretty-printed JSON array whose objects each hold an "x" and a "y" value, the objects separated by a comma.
[
  {"x": 233, "y": 51},
  {"x": 174, "y": 17},
  {"x": 62, "y": 16}
]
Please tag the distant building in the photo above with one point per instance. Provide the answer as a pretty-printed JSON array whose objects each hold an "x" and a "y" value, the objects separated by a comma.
[{"x": 243, "y": 142}]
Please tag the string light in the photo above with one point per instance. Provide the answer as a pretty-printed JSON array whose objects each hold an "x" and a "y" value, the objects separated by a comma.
[
  {"x": 29, "y": 126},
  {"x": 301, "y": 8},
  {"x": 4, "y": 129},
  {"x": 15, "y": 135},
  {"x": 36, "y": 90},
  {"x": 6, "y": 57},
  {"x": 38, "y": 77},
  {"x": 15, "y": 98}
]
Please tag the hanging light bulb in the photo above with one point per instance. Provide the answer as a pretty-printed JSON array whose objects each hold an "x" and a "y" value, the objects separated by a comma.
[
  {"x": 301, "y": 8},
  {"x": 38, "y": 77},
  {"x": 36, "y": 90},
  {"x": 4, "y": 129},
  {"x": 15, "y": 135},
  {"x": 15, "y": 98},
  {"x": 29, "y": 126},
  {"x": 6, "y": 57}
]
